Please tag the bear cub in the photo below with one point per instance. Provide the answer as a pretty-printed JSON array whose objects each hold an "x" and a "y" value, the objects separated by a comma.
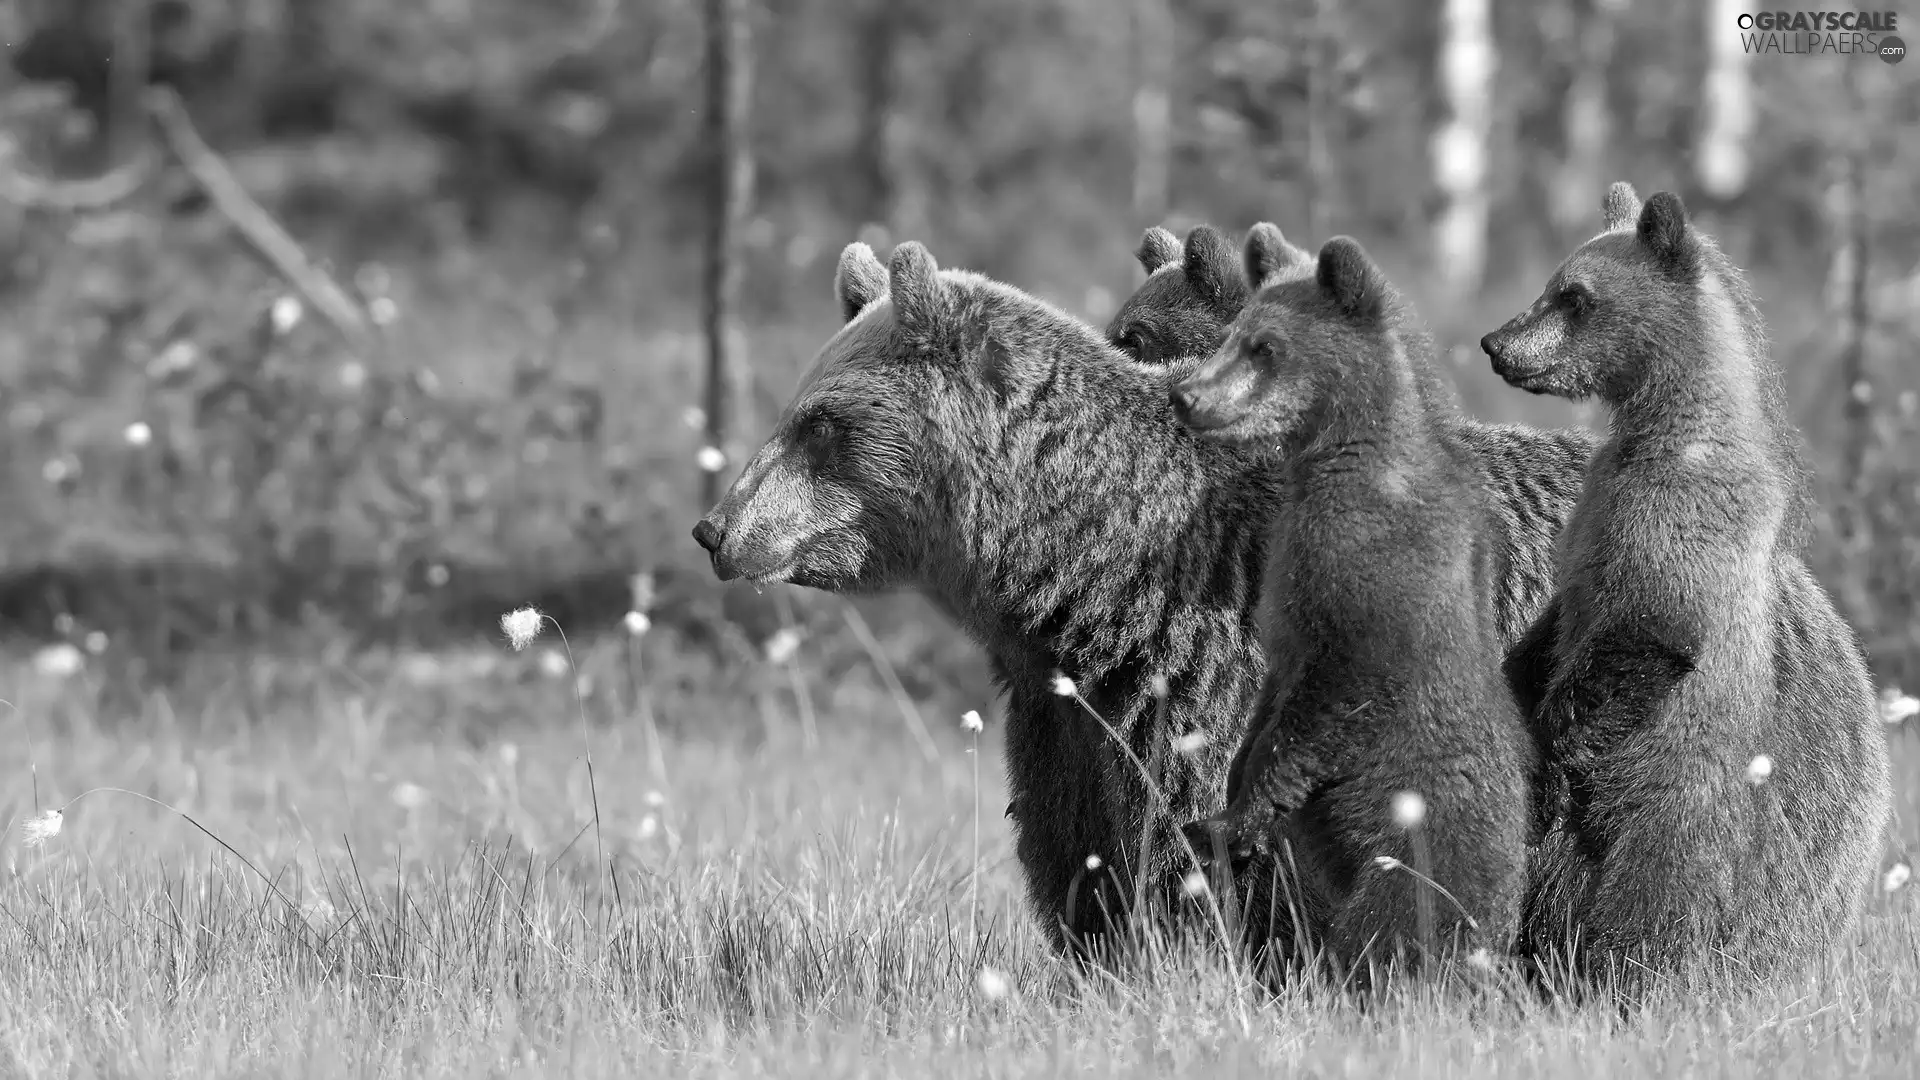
[
  {"x": 1388, "y": 755},
  {"x": 1718, "y": 778}
]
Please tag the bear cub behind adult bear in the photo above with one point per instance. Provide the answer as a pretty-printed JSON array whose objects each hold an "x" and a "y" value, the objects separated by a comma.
[
  {"x": 1383, "y": 650},
  {"x": 1720, "y": 775}
]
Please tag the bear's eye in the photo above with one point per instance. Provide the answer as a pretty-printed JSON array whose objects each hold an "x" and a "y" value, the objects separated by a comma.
[
  {"x": 1576, "y": 298},
  {"x": 1264, "y": 350},
  {"x": 1134, "y": 343},
  {"x": 818, "y": 436}
]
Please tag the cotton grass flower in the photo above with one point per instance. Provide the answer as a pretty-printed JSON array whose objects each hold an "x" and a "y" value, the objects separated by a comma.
[
  {"x": 637, "y": 623},
  {"x": 1190, "y": 743},
  {"x": 553, "y": 663},
  {"x": 970, "y": 722},
  {"x": 655, "y": 799},
  {"x": 1895, "y": 879},
  {"x": 96, "y": 642},
  {"x": 1158, "y": 685},
  {"x": 1063, "y": 685},
  {"x": 1409, "y": 809},
  {"x": 1387, "y": 862},
  {"x": 1759, "y": 769},
  {"x": 711, "y": 459},
  {"x": 286, "y": 314},
  {"x": 1480, "y": 959},
  {"x": 782, "y": 646},
  {"x": 409, "y": 796},
  {"x": 42, "y": 829},
  {"x": 1093, "y": 862},
  {"x": 993, "y": 984},
  {"x": 648, "y": 828},
  {"x": 521, "y": 626},
  {"x": 138, "y": 433},
  {"x": 59, "y": 661},
  {"x": 1896, "y": 707},
  {"x": 1194, "y": 884}
]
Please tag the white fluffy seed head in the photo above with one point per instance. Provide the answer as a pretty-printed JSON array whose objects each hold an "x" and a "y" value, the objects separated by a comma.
[
  {"x": 1190, "y": 743},
  {"x": 1093, "y": 862},
  {"x": 782, "y": 646},
  {"x": 1896, "y": 707},
  {"x": 711, "y": 459},
  {"x": 1159, "y": 687},
  {"x": 42, "y": 829},
  {"x": 1386, "y": 862},
  {"x": 993, "y": 984},
  {"x": 521, "y": 626},
  {"x": 138, "y": 433},
  {"x": 286, "y": 314},
  {"x": 1480, "y": 959},
  {"x": 970, "y": 721},
  {"x": 1896, "y": 877},
  {"x": 1063, "y": 685},
  {"x": 1195, "y": 884},
  {"x": 1409, "y": 809},
  {"x": 1759, "y": 769},
  {"x": 637, "y": 623}
]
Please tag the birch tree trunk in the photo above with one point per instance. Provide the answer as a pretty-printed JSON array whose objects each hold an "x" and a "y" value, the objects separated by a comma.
[
  {"x": 1721, "y": 161},
  {"x": 729, "y": 92},
  {"x": 1152, "y": 111},
  {"x": 1460, "y": 147}
]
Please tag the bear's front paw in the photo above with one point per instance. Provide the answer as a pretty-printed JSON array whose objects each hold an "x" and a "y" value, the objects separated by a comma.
[{"x": 1235, "y": 838}]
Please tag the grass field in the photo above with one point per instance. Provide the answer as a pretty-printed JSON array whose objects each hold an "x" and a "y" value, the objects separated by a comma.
[{"x": 413, "y": 889}]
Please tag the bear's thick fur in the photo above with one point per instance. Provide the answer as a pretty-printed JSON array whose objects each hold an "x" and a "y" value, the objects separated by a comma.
[
  {"x": 963, "y": 439},
  {"x": 1384, "y": 652},
  {"x": 1533, "y": 474},
  {"x": 1686, "y": 639}
]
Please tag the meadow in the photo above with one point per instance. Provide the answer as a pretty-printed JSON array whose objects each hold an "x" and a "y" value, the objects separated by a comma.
[{"x": 387, "y": 863}]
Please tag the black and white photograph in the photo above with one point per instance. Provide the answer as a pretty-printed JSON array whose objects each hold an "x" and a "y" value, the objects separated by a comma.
[{"x": 959, "y": 538}]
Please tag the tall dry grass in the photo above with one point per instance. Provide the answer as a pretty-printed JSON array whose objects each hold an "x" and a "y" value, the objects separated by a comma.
[{"x": 429, "y": 902}]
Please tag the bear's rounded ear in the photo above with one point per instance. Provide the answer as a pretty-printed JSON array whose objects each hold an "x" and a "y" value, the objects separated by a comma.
[
  {"x": 859, "y": 280},
  {"x": 1209, "y": 263},
  {"x": 914, "y": 280},
  {"x": 1267, "y": 253},
  {"x": 1158, "y": 247},
  {"x": 1663, "y": 229},
  {"x": 1621, "y": 208},
  {"x": 1348, "y": 275}
]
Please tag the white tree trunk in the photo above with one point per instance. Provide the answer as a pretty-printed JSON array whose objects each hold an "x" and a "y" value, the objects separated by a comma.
[
  {"x": 1460, "y": 146},
  {"x": 1721, "y": 161}
]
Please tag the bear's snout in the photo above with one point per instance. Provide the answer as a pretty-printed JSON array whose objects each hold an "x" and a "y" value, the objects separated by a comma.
[
  {"x": 1492, "y": 343},
  {"x": 707, "y": 535},
  {"x": 1184, "y": 400}
]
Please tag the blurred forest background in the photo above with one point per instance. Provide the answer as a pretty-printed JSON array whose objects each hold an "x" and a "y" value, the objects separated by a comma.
[{"x": 376, "y": 319}]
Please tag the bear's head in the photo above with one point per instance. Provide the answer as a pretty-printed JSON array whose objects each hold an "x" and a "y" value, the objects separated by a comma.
[
  {"x": 1620, "y": 298},
  {"x": 1193, "y": 291},
  {"x": 1298, "y": 342},
  {"x": 912, "y": 398}
]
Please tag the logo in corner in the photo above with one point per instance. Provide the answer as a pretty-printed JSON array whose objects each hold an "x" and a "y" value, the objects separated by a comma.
[{"x": 1892, "y": 50}]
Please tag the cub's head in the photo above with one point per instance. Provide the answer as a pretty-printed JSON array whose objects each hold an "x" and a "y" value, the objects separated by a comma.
[
  {"x": 922, "y": 374},
  {"x": 1622, "y": 296},
  {"x": 1297, "y": 341},
  {"x": 1193, "y": 291}
]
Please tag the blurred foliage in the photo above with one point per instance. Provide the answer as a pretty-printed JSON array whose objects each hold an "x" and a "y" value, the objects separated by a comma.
[{"x": 515, "y": 189}]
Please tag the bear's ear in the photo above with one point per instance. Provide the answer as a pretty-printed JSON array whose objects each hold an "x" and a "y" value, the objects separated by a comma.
[
  {"x": 914, "y": 280},
  {"x": 1663, "y": 229},
  {"x": 1209, "y": 264},
  {"x": 859, "y": 281},
  {"x": 1348, "y": 275},
  {"x": 1268, "y": 253},
  {"x": 1620, "y": 208},
  {"x": 1158, "y": 247}
]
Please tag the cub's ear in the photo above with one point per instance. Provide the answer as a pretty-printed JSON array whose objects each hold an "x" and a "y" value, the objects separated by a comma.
[
  {"x": 1620, "y": 208},
  {"x": 1349, "y": 277},
  {"x": 859, "y": 281},
  {"x": 1663, "y": 229},
  {"x": 914, "y": 280},
  {"x": 1267, "y": 253},
  {"x": 1209, "y": 263},
  {"x": 1158, "y": 247}
]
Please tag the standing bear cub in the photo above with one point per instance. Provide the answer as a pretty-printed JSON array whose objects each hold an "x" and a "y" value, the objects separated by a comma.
[
  {"x": 1719, "y": 780},
  {"x": 1388, "y": 742}
]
